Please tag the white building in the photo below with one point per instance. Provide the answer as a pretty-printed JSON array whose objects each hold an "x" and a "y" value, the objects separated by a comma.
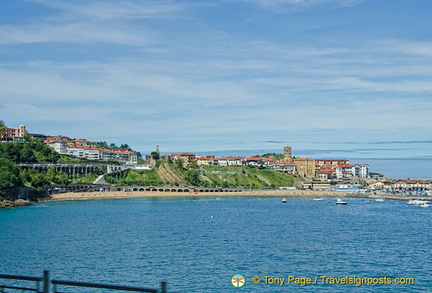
[
  {"x": 360, "y": 170},
  {"x": 60, "y": 146},
  {"x": 83, "y": 149},
  {"x": 230, "y": 161}
]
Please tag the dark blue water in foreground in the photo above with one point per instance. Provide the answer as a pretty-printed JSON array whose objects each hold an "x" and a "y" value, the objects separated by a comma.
[{"x": 198, "y": 244}]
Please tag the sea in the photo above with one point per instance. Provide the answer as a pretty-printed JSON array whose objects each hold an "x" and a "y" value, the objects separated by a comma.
[{"x": 222, "y": 244}]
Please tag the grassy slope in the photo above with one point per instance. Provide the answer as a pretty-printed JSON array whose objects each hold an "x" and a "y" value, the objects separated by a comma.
[{"x": 213, "y": 176}]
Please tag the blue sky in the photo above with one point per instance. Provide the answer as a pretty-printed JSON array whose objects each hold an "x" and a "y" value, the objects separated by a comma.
[{"x": 331, "y": 78}]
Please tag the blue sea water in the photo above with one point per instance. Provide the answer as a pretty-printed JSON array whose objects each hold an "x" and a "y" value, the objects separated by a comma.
[{"x": 198, "y": 244}]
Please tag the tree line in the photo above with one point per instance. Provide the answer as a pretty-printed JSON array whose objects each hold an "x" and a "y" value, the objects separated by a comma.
[{"x": 28, "y": 151}]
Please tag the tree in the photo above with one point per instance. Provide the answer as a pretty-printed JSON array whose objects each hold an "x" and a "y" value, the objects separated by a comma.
[
  {"x": 27, "y": 155},
  {"x": 155, "y": 155},
  {"x": 2, "y": 130},
  {"x": 192, "y": 177},
  {"x": 9, "y": 176}
]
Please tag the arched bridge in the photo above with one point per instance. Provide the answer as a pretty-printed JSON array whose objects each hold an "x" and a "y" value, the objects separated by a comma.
[{"x": 88, "y": 187}]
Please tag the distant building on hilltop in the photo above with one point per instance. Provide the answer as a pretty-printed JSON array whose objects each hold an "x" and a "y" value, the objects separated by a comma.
[
  {"x": 14, "y": 133},
  {"x": 82, "y": 148},
  {"x": 287, "y": 155}
]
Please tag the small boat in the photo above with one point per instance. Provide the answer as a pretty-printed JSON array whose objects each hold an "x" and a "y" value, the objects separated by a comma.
[
  {"x": 379, "y": 199},
  {"x": 284, "y": 200},
  {"x": 417, "y": 202},
  {"x": 318, "y": 199},
  {"x": 425, "y": 205},
  {"x": 341, "y": 202}
]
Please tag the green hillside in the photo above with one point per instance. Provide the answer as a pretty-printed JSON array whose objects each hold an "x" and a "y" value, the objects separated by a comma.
[{"x": 206, "y": 176}]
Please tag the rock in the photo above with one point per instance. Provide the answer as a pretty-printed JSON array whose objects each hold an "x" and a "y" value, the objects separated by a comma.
[
  {"x": 14, "y": 203},
  {"x": 22, "y": 202}
]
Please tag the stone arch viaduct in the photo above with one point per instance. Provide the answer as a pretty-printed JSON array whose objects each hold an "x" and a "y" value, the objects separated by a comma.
[{"x": 87, "y": 187}]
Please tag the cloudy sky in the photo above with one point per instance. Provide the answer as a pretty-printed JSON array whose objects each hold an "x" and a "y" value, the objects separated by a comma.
[{"x": 331, "y": 78}]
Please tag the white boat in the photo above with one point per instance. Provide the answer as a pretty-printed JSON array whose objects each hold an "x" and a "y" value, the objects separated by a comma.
[
  {"x": 379, "y": 199},
  {"x": 318, "y": 199},
  {"x": 341, "y": 202},
  {"x": 425, "y": 205},
  {"x": 284, "y": 200},
  {"x": 417, "y": 202}
]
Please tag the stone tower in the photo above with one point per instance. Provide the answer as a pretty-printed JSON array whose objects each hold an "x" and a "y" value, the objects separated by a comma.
[{"x": 287, "y": 155}]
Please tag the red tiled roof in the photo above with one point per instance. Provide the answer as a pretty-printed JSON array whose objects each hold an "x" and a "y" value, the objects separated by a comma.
[
  {"x": 326, "y": 171},
  {"x": 253, "y": 159},
  {"x": 344, "y": 165}
]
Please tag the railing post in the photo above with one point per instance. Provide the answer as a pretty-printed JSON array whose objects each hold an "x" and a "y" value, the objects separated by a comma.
[
  {"x": 163, "y": 287},
  {"x": 46, "y": 282}
]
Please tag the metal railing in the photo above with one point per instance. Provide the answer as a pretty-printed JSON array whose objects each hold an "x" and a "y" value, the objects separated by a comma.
[
  {"x": 45, "y": 282},
  {"x": 21, "y": 278}
]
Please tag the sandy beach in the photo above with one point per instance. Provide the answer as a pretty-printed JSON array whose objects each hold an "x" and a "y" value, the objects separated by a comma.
[{"x": 159, "y": 194}]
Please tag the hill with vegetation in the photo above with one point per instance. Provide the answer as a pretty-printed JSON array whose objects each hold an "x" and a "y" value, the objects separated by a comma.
[
  {"x": 165, "y": 172},
  {"x": 174, "y": 173},
  {"x": 29, "y": 151}
]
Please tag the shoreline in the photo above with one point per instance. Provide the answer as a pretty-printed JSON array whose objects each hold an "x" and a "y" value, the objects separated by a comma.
[
  {"x": 253, "y": 193},
  {"x": 161, "y": 194}
]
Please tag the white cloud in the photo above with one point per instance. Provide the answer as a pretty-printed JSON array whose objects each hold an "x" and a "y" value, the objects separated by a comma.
[
  {"x": 296, "y": 5},
  {"x": 407, "y": 47},
  {"x": 83, "y": 22},
  {"x": 76, "y": 33},
  {"x": 48, "y": 87},
  {"x": 99, "y": 11}
]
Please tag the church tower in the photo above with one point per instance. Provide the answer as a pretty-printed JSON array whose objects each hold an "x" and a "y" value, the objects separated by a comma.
[{"x": 287, "y": 155}]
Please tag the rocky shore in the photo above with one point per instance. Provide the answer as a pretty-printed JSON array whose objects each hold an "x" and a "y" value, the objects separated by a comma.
[{"x": 14, "y": 203}]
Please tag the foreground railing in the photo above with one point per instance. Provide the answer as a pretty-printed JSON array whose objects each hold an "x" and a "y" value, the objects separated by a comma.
[
  {"x": 42, "y": 285},
  {"x": 21, "y": 278}
]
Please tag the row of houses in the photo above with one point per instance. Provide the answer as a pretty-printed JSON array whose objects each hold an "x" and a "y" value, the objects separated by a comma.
[
  {"x": 323, "y": 169},
  {"x": 342, "y": 170},
  {"x": 82, "y": 148},
  {"x": 401, "y": 185}
]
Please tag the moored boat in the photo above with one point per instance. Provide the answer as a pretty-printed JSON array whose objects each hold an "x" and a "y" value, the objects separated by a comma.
[
  {"x": 417, "y": 202},
  {"x": 341, "y": 202},
  {"x": 284, "y": 200}
]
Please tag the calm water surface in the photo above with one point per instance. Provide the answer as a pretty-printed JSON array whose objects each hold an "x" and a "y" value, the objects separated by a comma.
[{"x": 198, "y": 244}]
